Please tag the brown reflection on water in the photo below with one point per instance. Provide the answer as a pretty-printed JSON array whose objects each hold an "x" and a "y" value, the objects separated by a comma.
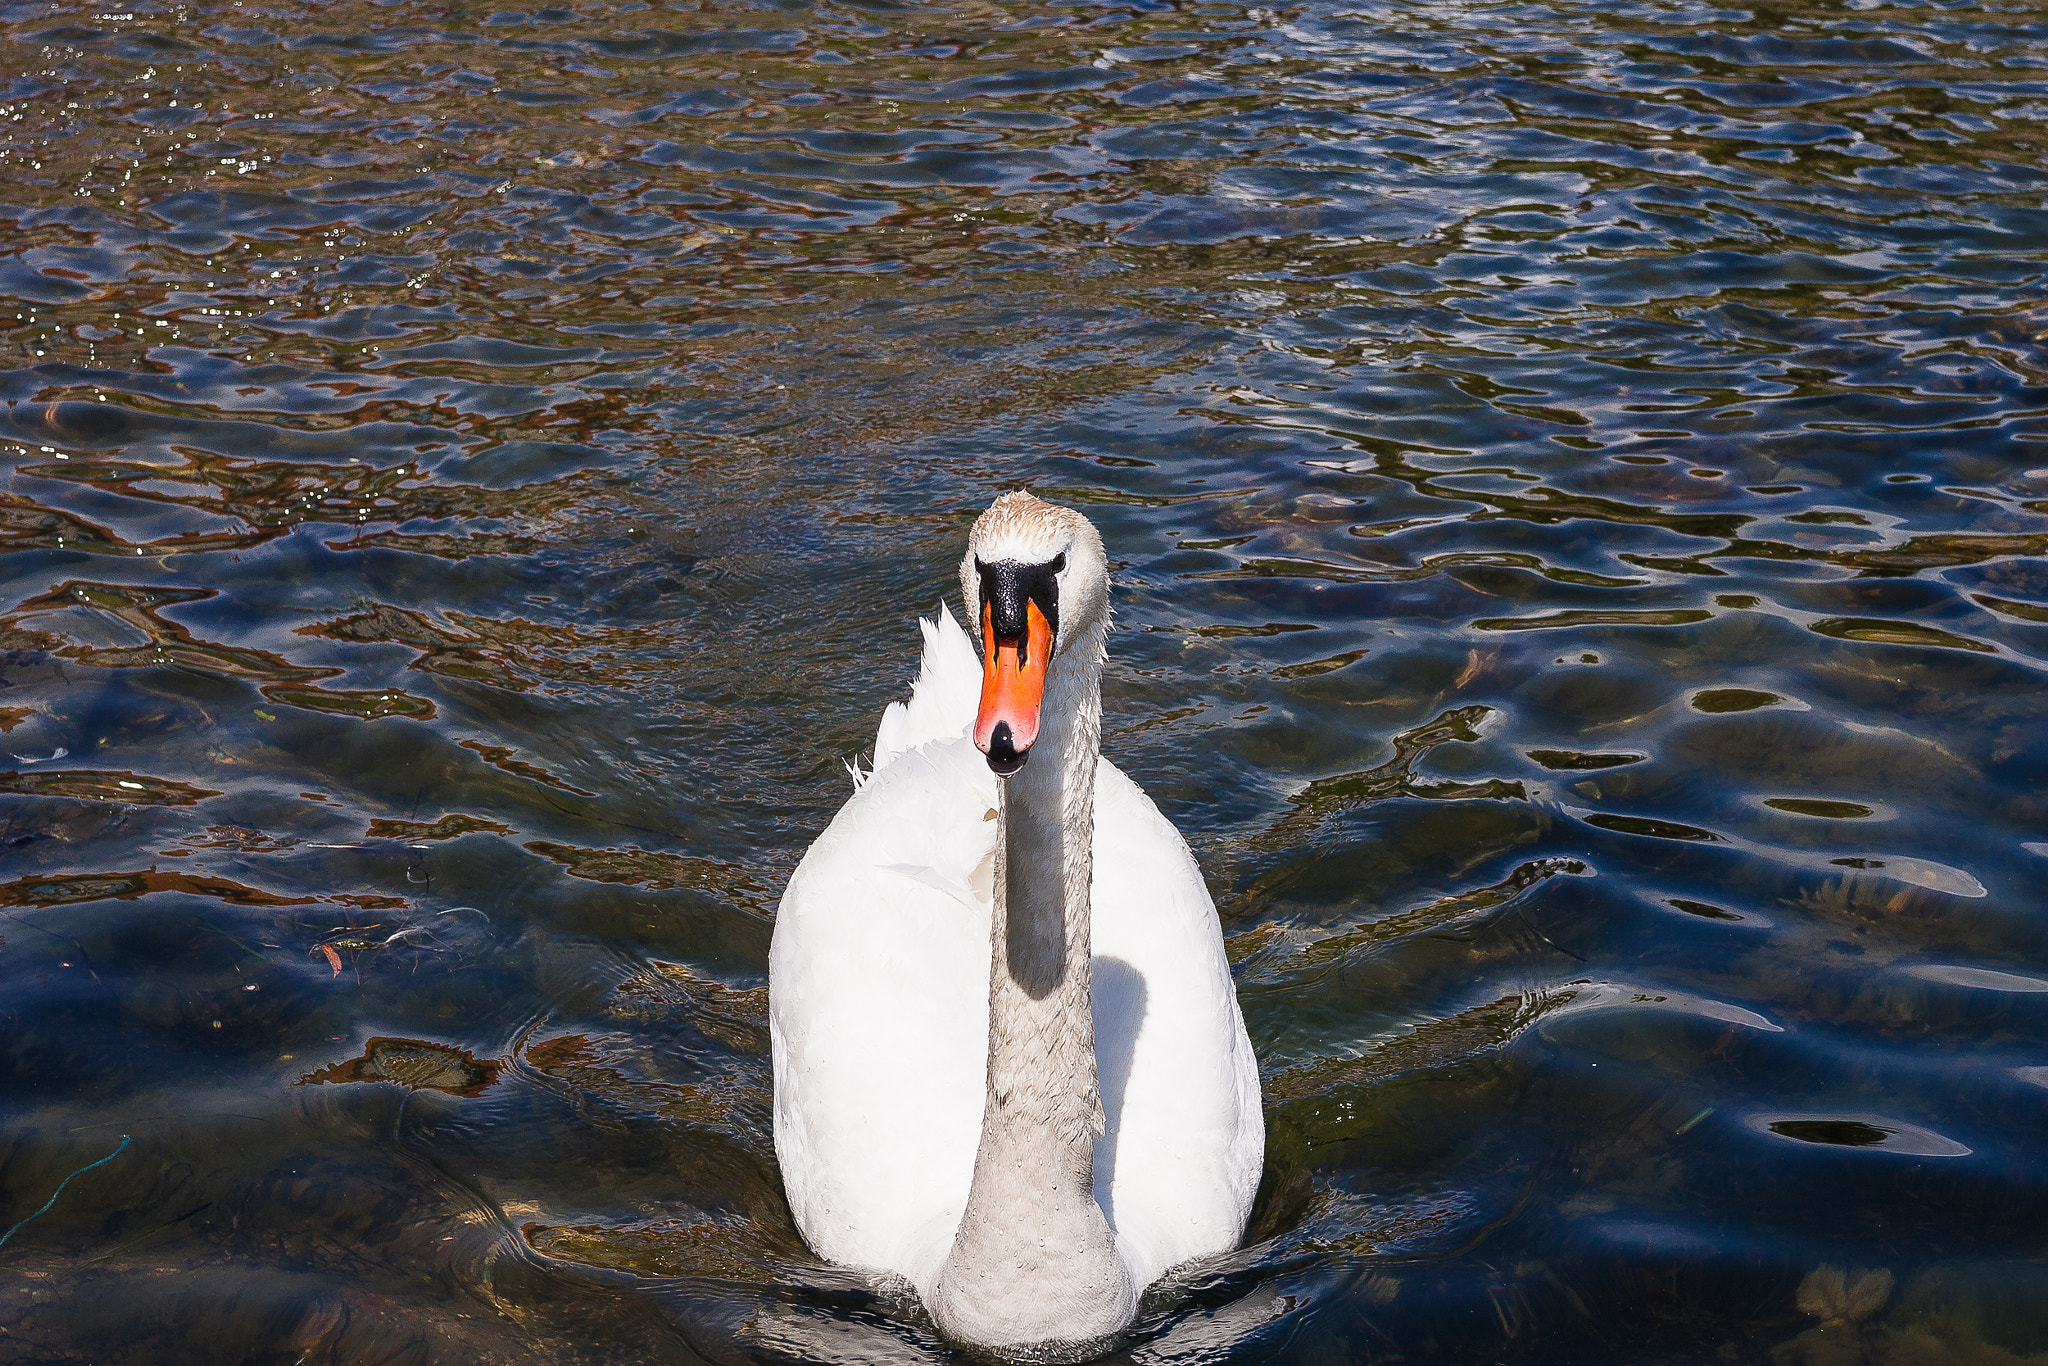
[
  {"x": 272, "y": 496},
  {"x": 131, "y": 789},
  {"x": 514, "y": 654},
  {"x": 415, "y": 1064},
  {"x": 82, "y": 888},
  {"x": 167, "y": 642}
]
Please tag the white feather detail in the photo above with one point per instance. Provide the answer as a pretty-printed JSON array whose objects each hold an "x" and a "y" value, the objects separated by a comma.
[{"x": 942, "y": 701}]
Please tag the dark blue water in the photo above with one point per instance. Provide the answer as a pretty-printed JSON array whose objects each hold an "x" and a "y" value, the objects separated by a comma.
[{"x": 1576, "y": 482}]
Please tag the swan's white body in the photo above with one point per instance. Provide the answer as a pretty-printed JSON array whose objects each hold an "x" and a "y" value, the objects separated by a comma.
[{"x": 880, "y": 1009}]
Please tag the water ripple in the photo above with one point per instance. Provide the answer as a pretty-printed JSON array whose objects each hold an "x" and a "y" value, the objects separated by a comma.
[{"x": 1573, "y": 476}]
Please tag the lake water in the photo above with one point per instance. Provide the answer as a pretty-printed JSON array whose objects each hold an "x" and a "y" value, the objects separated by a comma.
[{"x": 1577, "y": 481}]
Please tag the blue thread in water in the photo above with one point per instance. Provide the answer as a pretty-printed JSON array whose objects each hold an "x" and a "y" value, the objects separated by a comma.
[{"x": 60, "y": 1190}]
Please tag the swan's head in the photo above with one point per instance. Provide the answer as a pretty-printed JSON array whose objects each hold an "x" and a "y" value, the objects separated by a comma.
[{"x": 1036, "y": 585}]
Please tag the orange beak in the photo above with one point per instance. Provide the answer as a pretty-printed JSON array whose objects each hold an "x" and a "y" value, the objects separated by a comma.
[{"x": 1012, "y": 689}]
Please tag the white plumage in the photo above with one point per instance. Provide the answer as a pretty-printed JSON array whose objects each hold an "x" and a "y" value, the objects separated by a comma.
[{"x": 880, "y": 1005}]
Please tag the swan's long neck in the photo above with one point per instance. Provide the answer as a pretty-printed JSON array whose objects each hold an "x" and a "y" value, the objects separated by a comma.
[
  {"x": 1042, "y": 1097},
  {"x": 1034, "y": 1260}
]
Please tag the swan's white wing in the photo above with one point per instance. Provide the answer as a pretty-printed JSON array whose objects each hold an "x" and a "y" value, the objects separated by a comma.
[
  {"x": 942, "y": 700},
  {"x": 1180, "y": 1163},
  {"x": 878, "y": 1007}
]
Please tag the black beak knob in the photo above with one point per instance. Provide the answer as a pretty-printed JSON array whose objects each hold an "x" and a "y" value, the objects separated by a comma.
[{"x": 1004, "y": 758}]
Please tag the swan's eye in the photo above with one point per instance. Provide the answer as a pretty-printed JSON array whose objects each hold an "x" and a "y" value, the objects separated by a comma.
[{"x": 1059, "y": 563}]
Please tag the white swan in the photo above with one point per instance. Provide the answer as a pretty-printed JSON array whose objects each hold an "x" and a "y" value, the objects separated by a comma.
[{"x": 1009, "y": 1061}]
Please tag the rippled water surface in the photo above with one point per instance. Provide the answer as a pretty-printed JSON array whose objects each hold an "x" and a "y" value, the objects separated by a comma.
[{"x": 1575, "y": 474}]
